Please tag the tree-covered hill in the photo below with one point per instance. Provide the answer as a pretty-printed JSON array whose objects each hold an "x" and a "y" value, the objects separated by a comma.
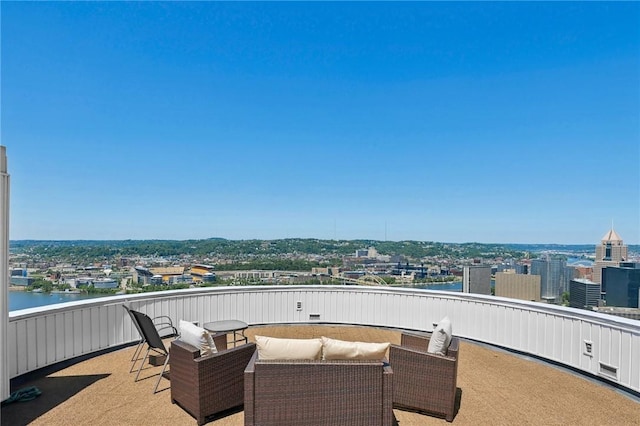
[{"x": 88, "y": 249}]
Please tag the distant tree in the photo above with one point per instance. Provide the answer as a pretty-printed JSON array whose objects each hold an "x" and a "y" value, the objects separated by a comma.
[{"x": 41, "y": 283}]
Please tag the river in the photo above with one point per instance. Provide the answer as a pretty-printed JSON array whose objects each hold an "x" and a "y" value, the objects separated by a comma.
[{"x": 26, "y": 299}]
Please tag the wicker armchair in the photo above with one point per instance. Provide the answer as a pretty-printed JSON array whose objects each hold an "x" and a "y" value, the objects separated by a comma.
[
  {"x": 318, "y": 392},
  {"x": 208, "y": 385},
  {"x": 424, "y": 381}
]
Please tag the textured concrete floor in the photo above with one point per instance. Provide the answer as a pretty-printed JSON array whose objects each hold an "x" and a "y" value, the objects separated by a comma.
[{"x": 497, "y": 388}]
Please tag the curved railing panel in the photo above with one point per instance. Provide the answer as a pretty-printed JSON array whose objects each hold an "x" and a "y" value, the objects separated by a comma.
[{"x": 595, "y": 343}]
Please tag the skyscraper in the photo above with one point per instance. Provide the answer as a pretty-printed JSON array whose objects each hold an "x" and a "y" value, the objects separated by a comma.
[
  {"x": 583, "y": 293},
  {"x": 622, "y": 285},
  {"x": 518, "y": 286},
  {"x": 554, "y": 277},
  {"x": 610, "y": 252},
  {"x": 476, "y": 279}
]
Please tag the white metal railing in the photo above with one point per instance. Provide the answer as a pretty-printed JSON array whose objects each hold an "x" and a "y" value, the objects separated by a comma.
[{"x": 599, "y": 344}]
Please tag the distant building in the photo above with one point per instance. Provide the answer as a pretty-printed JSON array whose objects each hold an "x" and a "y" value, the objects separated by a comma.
[
  {"x": 83, "y": 282},
  {"x": 585, "y": 272},
  {"x": 510, "y": 264},
  {"x": 21, "y": 281},
  {"x": 554, "y": 277},
  {"x": 19, "y": 272},
  {"x": 370, "y": 252},
  {"x": 418, "y": 271},
  {"x": 362, "y": 253},
  {"x": 105, "y": 283},
  {"x": 631, "y": 313},
  {"x": 142, "y": 275},
  {"x": 203, "y": 273},
  {"x": 621, "y": 285},
  {"x": 327, "y": 271},
  {"x": 518, "y": 286},
  {"x": 583, "y": 293},
  {"x": 19, "y": 277},
  {"x": 610, "y": 252},
  {"x": 255, "y": 274},
  {"x": 476, "y": 279},
  {"x": 506, "y": 265},
  {"x": 169, "y": 275}
]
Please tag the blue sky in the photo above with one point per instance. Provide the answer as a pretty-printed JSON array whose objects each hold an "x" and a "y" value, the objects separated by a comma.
[{"x": 454, "y": 122}]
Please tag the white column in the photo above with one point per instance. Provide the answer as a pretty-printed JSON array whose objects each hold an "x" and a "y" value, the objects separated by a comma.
[{"x": 4, "y": 273}]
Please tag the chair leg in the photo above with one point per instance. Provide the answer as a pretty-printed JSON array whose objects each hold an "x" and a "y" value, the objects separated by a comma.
[
  {"x": 166, "y": 361},
  {"x": 135, "y": 356},
  {"x": 135, "y": 353},
  {"x": 141, "y": 364}
]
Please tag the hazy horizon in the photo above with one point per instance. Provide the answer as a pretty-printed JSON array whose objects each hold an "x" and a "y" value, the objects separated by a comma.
[
  {"x": 424, "y": 121},
  {"x": 311, "y": 238}
]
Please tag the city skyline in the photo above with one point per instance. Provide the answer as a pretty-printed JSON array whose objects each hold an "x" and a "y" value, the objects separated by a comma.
[{"x": 451, "y": 122}]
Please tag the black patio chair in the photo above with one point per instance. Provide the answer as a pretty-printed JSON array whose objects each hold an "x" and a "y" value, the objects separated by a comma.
[
  {"x": 161, "y": 322},
  {"x": 154, "y": 343}
]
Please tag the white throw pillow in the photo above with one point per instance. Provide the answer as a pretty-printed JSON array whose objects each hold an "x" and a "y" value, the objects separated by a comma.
[
  {"x": 198, "y": 337},
  {"x": 340, "y": 349},
  {"x": 440, "y": 338},
  {"x": 277, "y": 348}
]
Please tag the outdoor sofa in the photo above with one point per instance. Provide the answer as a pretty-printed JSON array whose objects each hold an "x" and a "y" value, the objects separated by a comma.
[{"x": 310, "y": 392}]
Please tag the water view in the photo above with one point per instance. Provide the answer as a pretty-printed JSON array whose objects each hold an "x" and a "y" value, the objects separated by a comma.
[{"x": 27, "y": 299}]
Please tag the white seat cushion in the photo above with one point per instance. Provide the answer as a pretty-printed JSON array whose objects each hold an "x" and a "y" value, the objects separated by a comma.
[
  {"x": 197, "y": 337},
  {"x": 340, "y": 349},
  {"x": 441, "y": 337},
  {"x": 277, "y": 348}
]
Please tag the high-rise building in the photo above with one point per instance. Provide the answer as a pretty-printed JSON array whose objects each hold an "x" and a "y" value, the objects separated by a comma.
[
  {"x": 554, "y": 277},
  {"x": 621, "y": 285},
  {"x": 610, "y": 252},
  {"x": 476, "y": 279},
  {"x": 518, "y": 286},
  {"x": 583, "y": 293}
]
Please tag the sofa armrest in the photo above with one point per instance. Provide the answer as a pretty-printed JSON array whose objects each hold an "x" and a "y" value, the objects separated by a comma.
[
  {"x": 249, "y": 390},
  {"x": 251, "y": 365},
  {"x": 213, "y": 367},
  {"x": 208, "y": 384},
  {"x": 453, "y": 348},
  {"x": 387, "y": 397},
  {"x": 425, "y": 381},
  {"x": 248, "y": 347},
  {"x": 401, "y": 353},
  {"x": 418, "y": 342},
  {"x": 190, "y": 352}
]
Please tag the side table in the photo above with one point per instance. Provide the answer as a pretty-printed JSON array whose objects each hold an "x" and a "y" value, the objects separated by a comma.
[{"x": 224, "y": 327}]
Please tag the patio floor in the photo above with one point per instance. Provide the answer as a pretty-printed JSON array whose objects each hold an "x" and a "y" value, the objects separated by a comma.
[{"x": 498, "y": 388}]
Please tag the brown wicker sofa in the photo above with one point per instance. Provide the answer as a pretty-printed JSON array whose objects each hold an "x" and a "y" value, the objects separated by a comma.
[
  {"x": 423, "y": 381},
  {"x": 318, "y": 392},
  {"x": 207, "y": 385}
]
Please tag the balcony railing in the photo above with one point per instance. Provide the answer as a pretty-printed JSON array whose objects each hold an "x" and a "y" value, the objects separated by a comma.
[{"x": 596, "y": 344}]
